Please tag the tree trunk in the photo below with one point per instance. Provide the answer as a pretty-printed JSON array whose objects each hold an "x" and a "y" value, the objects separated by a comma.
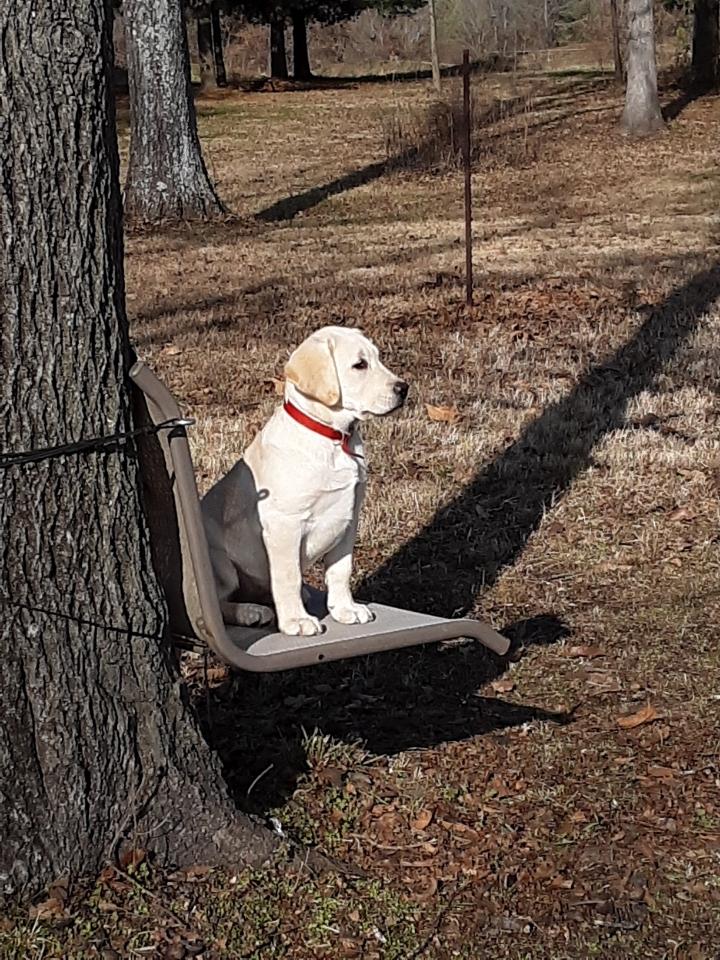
[
  {"x": 166, "y": 179},
  {"x": 278, "y": 56},
  {"x": 205, "y": 48},
  {"x": 301, "y": 56},
  {"x": 642, "y": 114},
  {"x": 97, "y": 745},
  {"x": 217, "y": 42},
  {"x": 617, "y": 45},
  {"x": 706, "y": 43},
  {"x": 434, "y": 57}
]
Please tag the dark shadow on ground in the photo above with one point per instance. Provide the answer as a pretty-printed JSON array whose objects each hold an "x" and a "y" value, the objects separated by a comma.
[
  {"x": 420, "y": 698},
  {"x": 562, "y": 99},
  {"x": 682, "y": 99},
  {"x": 391, "y": 702},
  {"x": 473, "y": 536}
]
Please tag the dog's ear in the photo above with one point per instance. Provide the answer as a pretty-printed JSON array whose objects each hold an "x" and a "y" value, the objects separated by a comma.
[{"x": 312, "y": 369}]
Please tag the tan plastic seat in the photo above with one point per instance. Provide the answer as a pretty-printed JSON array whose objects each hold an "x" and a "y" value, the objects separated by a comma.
[{"x": 182, "y": 562}]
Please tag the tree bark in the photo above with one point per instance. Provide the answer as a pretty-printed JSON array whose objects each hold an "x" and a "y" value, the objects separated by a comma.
[
  {"x": 706, "y": 43},
  {"x": 616, "y": 43},
  {"x": 205, "y": 48},
  {"x": 278, "y": 55},
  {"x": 642, "y": 115},
  {"x": 301, "y": 55},
  {"x": 434, "y": 56},
  {"x": 166, "y": 179},
  {"x": 98, "y": 748},
  {"x": 217, "y": 42}
]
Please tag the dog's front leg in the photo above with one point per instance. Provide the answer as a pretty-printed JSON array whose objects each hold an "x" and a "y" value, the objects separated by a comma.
[
  {"x": 283, "y": 549},
  {"x": 338, "y": 570}
]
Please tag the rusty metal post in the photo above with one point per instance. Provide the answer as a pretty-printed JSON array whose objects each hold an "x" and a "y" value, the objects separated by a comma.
[{"x": 468, "y": 180}]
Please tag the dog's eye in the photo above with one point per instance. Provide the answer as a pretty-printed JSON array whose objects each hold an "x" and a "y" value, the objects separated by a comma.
[{"x": 360, "y": 365}]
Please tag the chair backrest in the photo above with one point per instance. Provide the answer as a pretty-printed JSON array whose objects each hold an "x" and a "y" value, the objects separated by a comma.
[{"x": 179, "y": 546}]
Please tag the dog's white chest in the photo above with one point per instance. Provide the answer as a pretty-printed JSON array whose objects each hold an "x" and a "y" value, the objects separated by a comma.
[
  {"x": 307, "y": 485},
  {"x": 330, "y": 519}
]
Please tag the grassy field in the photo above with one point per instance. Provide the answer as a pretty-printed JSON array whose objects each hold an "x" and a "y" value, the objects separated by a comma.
[{"x": 562, "y": 804}]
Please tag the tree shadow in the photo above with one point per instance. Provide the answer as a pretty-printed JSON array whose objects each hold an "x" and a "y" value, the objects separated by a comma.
[
  {"x": 290, "y": 207},
  {"x": 685, "y": 96},
  {"x": 562, "y": 99},
  {"x": 402, "y": 700},
  {"x": 423, "y": 697},
  {"x": 483, "y": 529}
]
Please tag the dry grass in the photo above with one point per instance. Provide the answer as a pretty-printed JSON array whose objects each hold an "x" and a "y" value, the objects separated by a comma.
[{"x": 574, "y": 503}]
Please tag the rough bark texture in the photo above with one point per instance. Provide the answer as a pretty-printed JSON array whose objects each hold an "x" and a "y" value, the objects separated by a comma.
[
  {"x": 706, "y": 43},
  {"x": 301, "y": 54},
  {"x": 167, "y": 179},
  {"x": 205, "y": 48},
  {"x": 217, "y": 42},
  {"x": 278, "y": 55},
  {"x": 642, "y": 114},
  {"x": 97, "y": 745}
]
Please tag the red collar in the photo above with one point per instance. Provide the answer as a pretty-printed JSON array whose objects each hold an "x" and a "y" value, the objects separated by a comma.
[{"x": 322, "y": 428}]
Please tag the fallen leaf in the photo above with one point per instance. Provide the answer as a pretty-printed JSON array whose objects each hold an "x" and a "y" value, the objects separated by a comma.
[
  {"x": 331, "y": 775},
  {"x": 422, "y": 821},
  {"x": 649, "y": 420},
  {"x": 442, "y": 414},
  {"x": 51, "y": 909},
  {"x": 683, "y": 514},
  {"x": 278, "y": 386},
  {"x": 427, "y": 892},
  {"x": 107, "y": 906},
  {"x": 171, "y": 351},
  {"x": 646, "y": 714},
  {"x": 561, "y": 883},
  {"x": 132, "y": 858},
  {"x": 589, "y": 653},
  {"x": 662, "y": 773},
  {"x": 503, "y": 686}
]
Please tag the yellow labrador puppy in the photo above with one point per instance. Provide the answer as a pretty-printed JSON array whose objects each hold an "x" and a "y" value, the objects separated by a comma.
[{"x": 295, "y": 496}]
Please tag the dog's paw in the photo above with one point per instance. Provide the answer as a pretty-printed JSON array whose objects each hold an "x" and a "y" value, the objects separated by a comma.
[
  {"x": 246, "y": 614},
  {"x": 301, "y": 626},
  {"x": 352, "y": 613}
]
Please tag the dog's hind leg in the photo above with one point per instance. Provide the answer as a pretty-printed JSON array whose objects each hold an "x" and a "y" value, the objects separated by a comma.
[
  {"x": 245, "y": 614},
  {"x": 236, "y": 613}
]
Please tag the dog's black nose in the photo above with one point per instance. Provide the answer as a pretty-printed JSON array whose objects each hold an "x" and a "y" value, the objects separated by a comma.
[{"x": 401, "y": 389}]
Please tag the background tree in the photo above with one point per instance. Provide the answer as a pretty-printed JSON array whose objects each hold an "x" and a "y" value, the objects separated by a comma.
[
  {"x": 217, "y": 43},
  {"x": 278, "y": 64},
  {"x": 205, "y": 47},
  {"x": 167, "y": 178},
  {"x": 642, "y": 114},
  {"x": 615, "y": 21},
  {"x": 96, "y": 743},
  {"x": 210, "y": 46},
  {"x": 706, "y": 43},
  {"x": 434, "y": 55}
]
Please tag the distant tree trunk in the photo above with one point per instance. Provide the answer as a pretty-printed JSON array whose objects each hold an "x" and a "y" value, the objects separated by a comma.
[
  {"x": 642, "y": 115},
  {"x": 205, "y": 48},
  {"x": 301, "y": 56},
  {"x": 434, "y": 56},
  {"x": 278, "y": 56},
  {"x": 617, "y": 45},
  {"x": 97, "y": 746},
  {"x": 217, "y": 42},
  {"x": 166, "y": 178},
  {"x": 706, "y": 43}
]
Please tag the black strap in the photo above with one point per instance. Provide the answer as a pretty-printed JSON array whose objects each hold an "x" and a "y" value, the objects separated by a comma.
[{"x": 86, "y": 446}]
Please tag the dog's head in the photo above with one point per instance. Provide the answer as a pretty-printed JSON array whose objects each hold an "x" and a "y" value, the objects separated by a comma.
[{"x": 341, "y": 368}]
